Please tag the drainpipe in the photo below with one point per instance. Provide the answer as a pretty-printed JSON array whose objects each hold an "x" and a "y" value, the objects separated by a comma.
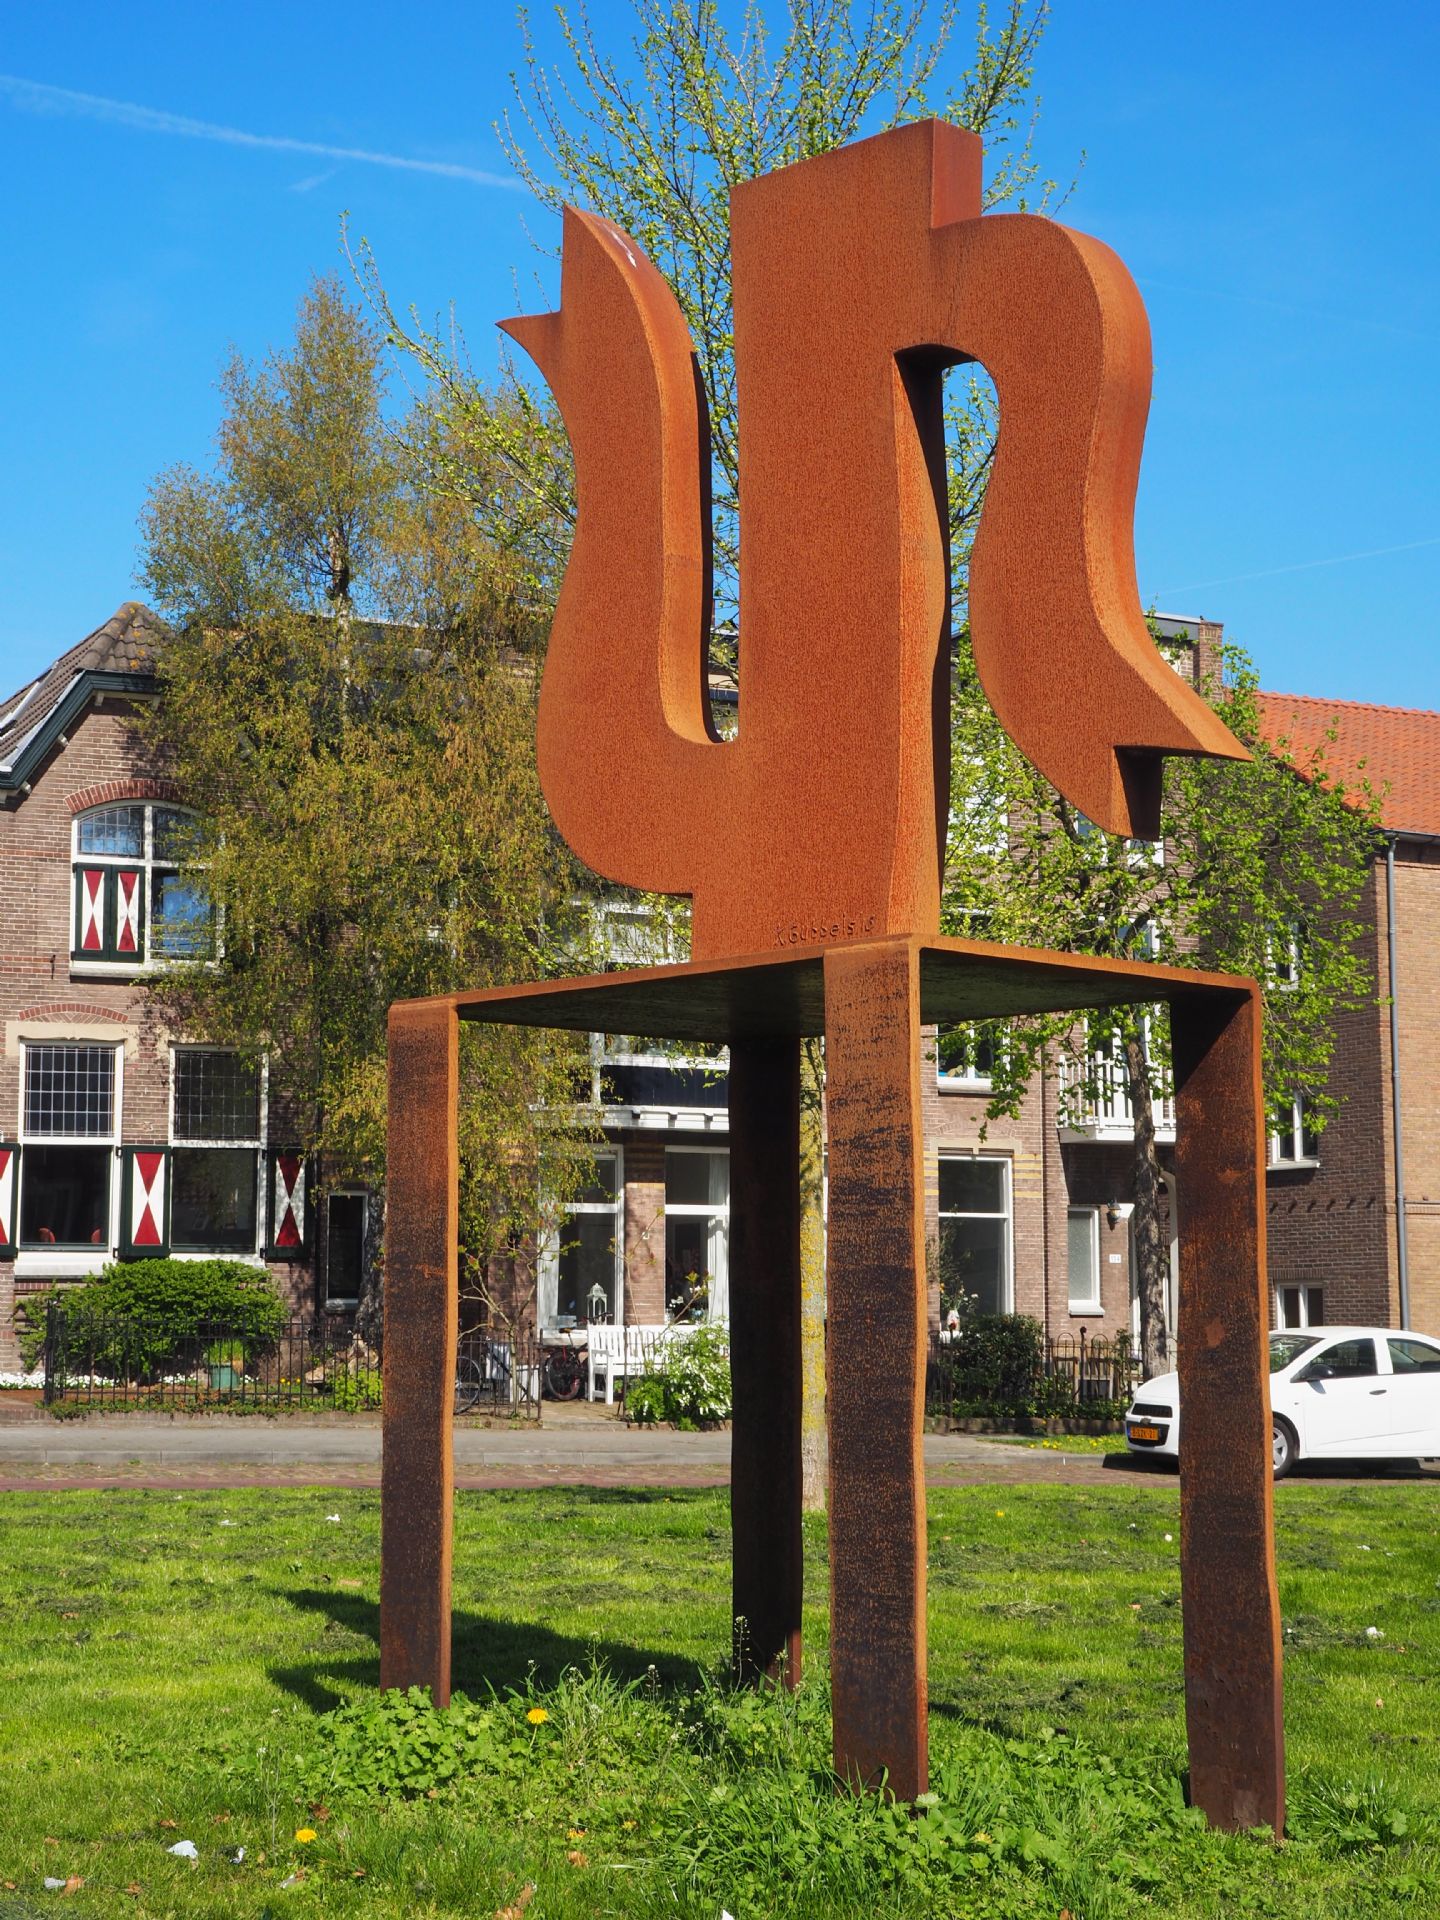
[{"x": 1401, "y": 1237}]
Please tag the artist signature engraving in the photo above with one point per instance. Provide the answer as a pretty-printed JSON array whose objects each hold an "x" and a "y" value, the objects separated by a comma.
[{"x": 809, "y": 933}]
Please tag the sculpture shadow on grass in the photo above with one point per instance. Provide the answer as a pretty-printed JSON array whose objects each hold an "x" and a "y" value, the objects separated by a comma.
[{"x": 488, "y": 1652}]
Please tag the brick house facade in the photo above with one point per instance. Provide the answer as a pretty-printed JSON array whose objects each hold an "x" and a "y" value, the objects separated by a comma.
[
  {"x": 1043, "y": 1210},
  {"x": 1029, "y": 1216},
  {"x": 1354, "y": 1227},
  {"x": 115, "y": 1135}
]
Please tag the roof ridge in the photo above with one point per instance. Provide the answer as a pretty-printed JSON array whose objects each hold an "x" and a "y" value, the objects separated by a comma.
[{"x": 1351, "y": 706}]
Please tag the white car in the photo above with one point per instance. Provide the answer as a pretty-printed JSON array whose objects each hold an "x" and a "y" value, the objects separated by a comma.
[{"x": 1336, "y": 1393}]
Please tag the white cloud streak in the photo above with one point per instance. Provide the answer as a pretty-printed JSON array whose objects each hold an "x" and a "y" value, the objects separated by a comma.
[
  {"x": 1300, "y": 566},
  {"x": 35, "y": 96}
]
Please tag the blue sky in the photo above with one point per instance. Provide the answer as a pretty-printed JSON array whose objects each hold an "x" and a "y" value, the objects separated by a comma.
[{"x": 1267, "y": 172}]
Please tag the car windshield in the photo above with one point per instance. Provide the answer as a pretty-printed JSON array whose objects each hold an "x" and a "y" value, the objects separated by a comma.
[{"x": 1285, "y": 1347}]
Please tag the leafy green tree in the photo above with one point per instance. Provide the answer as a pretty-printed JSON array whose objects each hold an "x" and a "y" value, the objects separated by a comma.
[
  {"x": 348, "y": 702},
  {"x": 1261, "y": 872},
  {"x": 655, "y": 140}
]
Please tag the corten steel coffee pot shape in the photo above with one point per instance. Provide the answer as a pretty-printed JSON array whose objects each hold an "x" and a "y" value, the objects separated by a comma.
[
  {"x": 859, "y": 276},
  {"x": 812, "y": 848}
]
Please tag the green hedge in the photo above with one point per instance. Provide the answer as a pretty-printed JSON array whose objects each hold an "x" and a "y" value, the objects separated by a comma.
[
  {"x": 998, "y": 1357},
  {"x": 166, "y": 1300}
]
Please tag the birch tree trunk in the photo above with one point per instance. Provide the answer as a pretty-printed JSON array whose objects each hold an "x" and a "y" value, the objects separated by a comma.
[
  {"x": 814, "y": 1454},
  {"x": 1152, "y": 1252}
]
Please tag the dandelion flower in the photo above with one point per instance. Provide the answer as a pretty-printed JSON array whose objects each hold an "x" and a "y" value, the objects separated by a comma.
[
  {"x": 999, "y": 1513},
  {"x": 574, "y": 1833},
  {"x": 1168, "y": 1538},
  {"x": 305, "y": 1835},
  {"x": 537, "y": 1716}
]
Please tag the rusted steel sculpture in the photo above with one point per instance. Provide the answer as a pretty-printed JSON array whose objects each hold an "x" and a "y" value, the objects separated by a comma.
[{"x": 812, "y": 848}]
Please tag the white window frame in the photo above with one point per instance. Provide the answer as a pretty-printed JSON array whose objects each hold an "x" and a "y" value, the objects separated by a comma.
[
  {"x": 968, "y": 1080},
  {"x": 1303, "y": 1289},
  {"x": 257, "y": 1145},
  {"x": 717, "y": 1213},
  {"x": 1287, "y": 1146},
  {"x": 988, "y": 824},
  {"x": 1136, "y": 853},
  {"x": 547, "y": 1301},
  {"x": 1002, "y": 1160},
  {"x": 70, "y": 1262},
  {"x": 1284, "y": 956},
  {"x": 1090, "y": 1303},
  {"x": 148, "y": 866}
]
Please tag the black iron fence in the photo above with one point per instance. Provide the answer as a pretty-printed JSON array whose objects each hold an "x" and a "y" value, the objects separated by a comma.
[
  {"x": 121, "y": 1363},
  {"x": 500, "y": 1375},
  {"x": 1010, "y": 1369}
]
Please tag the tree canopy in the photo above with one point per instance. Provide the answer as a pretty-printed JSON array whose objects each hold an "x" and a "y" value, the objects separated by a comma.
[
  {"x": 1261, "y": 873},
  {"x": 1257, "y": 862},
  {"x": 654, "y": 136},
  {"x": 348, "y": 703}
]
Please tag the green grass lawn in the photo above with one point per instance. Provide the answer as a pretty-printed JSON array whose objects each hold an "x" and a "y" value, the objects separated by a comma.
[{"x": 202, "y": 1667}]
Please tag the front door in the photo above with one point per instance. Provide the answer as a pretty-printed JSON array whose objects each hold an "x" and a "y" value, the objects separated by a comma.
[{"x": 344, "y": 1248}]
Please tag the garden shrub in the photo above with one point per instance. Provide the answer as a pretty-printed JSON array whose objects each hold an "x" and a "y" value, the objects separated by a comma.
[
  {"x": 998, "y": 1357},
  {"x": 143, "y": 1308},
  {"x": 356, "y": 1390},
  {"x": 687, "y": 1384},
  {"x": 995, "y": 1368},
  {"x": 227, "y": 1293}
]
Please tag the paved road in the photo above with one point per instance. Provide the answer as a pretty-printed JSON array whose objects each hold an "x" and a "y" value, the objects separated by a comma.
[
  {"x": 126, "y": 1451},
  {"x": 569, "y": 1450}
]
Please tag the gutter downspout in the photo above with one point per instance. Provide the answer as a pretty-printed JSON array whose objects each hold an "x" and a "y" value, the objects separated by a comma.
[{"x": 1401, "y": 1237}]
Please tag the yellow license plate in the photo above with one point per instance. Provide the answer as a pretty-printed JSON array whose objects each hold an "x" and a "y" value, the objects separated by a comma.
[{"x": 1144, "y": 1433}]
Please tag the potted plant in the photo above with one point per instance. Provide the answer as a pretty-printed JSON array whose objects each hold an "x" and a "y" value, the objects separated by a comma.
[{"x": 225, "y": 1360}]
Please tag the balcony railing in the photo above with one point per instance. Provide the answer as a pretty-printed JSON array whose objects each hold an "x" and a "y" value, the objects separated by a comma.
[{"x": 1106, "y": 1111}]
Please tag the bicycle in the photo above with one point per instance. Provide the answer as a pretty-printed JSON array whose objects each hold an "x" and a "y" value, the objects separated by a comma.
[{"x": 470, "y": 1383}]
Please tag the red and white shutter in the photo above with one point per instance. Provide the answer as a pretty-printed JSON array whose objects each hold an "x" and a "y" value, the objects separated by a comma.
[
  {"x": 145, "y": 1203},
  {"x": 287, "y": 1204},
  {"x": 90, "y": 911},
  {"x": 128, "y": 908},
  {"x": 9, "y": 1181}
]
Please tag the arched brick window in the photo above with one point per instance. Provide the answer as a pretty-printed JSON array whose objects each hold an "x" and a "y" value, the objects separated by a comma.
[{"x": 132, "y": 905}]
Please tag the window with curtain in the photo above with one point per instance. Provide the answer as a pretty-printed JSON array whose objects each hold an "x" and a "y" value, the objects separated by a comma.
[{"x": 1083, "y": 1243}]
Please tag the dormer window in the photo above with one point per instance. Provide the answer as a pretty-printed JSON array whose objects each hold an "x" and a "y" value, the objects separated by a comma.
[{"x": 131, "y": 904}]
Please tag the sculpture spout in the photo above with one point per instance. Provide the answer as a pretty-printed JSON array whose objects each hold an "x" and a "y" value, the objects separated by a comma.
[{"x": 623, "y": 706}]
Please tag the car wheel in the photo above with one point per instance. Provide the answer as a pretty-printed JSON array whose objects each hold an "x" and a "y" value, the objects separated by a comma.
[{"x": 1283, "y": 1450}]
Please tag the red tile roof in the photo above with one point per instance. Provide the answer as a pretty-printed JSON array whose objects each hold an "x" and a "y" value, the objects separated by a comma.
[{"x": 1398, "y": 749}]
